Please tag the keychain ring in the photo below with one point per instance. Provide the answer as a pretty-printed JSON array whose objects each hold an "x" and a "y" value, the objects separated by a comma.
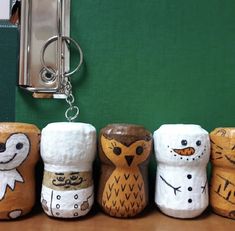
[{"x": 66, "y": 39}]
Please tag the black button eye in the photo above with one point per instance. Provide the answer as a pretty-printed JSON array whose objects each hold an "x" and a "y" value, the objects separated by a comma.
[
  {"x": 117, "y": 151},
  {"x": 139, "y": 150},
  {"x": 19, "y": 146},
  {"x": 198, "y": 143},
  {"x": 184, "y": 142}
]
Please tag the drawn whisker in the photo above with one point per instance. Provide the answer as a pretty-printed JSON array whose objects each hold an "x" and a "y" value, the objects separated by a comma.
[
  {"x": 233, "y": 147},
  {"x": 111, "y": 148},
  {"x": 218, "y": 153}
]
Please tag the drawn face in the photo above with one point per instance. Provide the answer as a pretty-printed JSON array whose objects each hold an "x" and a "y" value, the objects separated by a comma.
[
  {"x": 183, "y": 146},
  {"x": 67, "y": 180},
  {"x": 126, "y": 156},
  {"x": 223, "y": 147},
  {"x": 14, "y": 151}
]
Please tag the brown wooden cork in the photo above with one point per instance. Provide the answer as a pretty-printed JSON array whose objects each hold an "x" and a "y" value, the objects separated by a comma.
[
  {"x": 222, "y": 190},
  {"x": 124, "y": 152},
  {"x": 19, "y": 152}
]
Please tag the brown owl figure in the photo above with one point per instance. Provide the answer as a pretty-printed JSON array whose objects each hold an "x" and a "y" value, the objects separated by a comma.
[
  {"x": 222, "y": 190},
  {"x": 124, "y": 152}
]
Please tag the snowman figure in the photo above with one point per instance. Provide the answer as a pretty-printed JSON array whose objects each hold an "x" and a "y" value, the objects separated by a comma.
[
  {"x": 68, "y": 150},
  {"x": 182, "y": 153}
]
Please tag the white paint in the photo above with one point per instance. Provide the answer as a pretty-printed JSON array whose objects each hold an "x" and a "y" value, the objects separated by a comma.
[
  {"x": 181, "y": 182},
  {"x": 67, "y": 147},
  {"x": 66, "y": 204},
  {"x": 12, "y": 156},
  {"x": 5, "y": 9}
]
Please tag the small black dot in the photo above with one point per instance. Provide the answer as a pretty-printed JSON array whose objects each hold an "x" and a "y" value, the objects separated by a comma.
[
  {"x": 57, "y": 206},
  {"x": 75, "y": 214},
  {"x": 189, "y": 176},
  {"x": 199, "y": 156},
  {"x": 168, "y": 146},
  {"x": 19, "y": 146},
  {"x": 139, "y": 150},
  {"x": 58, "y": 197},
  {"x": 190, "y": 188},
  {"x": 181, "y": 158},
  {"x": 175, "y": 155},
  {"x": 190, "y": 200},
  {"x": 76, "y": 196},
  {"x": 76, "y": 206},
  {"x": 187, "y": 159},
  {"x": 198, "y": 143},
  {"x": 57, "y": 214},
  {"x": 193, "y": 159},
  {"x": 117, "y": 151},
  {"x": 184, "y": 142}
]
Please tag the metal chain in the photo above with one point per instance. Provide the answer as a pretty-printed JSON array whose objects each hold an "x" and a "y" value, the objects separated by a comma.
[{"x": 72, "y": 111}]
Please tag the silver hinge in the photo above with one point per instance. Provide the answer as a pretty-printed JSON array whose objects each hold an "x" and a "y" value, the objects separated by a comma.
[{"x": 44, "y": 47}]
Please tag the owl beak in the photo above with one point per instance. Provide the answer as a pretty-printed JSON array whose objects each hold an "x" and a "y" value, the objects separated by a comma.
[
  {"x": 129, "y": 160},
  {"x": 185, "y": 151}
]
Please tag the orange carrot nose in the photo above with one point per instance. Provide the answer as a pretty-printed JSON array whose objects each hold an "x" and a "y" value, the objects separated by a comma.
[{"x": 185, "y": 151}]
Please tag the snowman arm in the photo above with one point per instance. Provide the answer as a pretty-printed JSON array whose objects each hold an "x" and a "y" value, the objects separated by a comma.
[
  {"x": 174, "y": 188},
  {"x": 204, "y": 187}
]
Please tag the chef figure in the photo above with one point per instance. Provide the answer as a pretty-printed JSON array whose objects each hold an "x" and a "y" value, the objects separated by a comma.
[
  {"x": 182, "y": 153},
  {"x": 68, "y": 150}
]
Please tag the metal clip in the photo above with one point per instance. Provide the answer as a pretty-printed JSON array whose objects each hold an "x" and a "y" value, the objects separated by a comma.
[{"x": 44, "y": 48}]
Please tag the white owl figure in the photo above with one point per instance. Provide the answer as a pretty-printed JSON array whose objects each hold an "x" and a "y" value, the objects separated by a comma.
[
  {"x": 68, "y": 150},
  {"x": 182, "y": 153}
]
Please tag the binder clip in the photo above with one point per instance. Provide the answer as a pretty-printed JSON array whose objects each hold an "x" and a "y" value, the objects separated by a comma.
[{"x": 45, "y": 49}]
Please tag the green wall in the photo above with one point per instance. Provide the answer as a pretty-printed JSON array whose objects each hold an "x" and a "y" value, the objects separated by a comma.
[
  {"x": 9, "y": 41},
  {"x": 148, "y": 62}
]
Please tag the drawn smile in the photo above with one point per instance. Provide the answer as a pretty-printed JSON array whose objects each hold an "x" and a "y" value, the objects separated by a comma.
[
  {"x": 185, "y": 151},
  {"x": 8, "y": 161},
  {"x": 230, "y": 160}
]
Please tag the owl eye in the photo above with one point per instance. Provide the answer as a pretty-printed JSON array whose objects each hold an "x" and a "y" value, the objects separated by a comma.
[
  {"x": 198, "y": 143},
  {"x": 117, "y": 151},
  {"x": 19, "y": 146},
  {"x": 139, "y": 150},
  {"x": 184, "y": 142}
]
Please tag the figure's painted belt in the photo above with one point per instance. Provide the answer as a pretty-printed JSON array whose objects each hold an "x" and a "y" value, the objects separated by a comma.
[{"x": 66, "y": 181}]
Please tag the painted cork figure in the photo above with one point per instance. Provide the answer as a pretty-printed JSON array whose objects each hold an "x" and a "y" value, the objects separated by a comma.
[
  {"x": 124, "y": 151},
  {"x": 68, "y": 150},
  {"x": 19, "y": 152},
  {"x": 182, "y": 153},
  {"x": 222, "y": 187}
]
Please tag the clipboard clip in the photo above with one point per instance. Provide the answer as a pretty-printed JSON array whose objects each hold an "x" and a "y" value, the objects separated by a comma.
[{"x": 45, "y": 48}]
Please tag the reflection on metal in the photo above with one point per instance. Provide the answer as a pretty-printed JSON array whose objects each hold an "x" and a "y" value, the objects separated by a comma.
[{"x": 45, "y": 42}]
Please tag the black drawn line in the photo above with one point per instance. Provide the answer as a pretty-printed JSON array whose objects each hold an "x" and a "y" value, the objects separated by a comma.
[
  {"x": 127, "y": 196},
  {"x": 123, "y": 187},
  {"x": 224, "y": 198},
  {"x": 117, "y": 179},
  {"x": 218, "y": 190},
  {"x": 116, "y": 192},
  {"x": 225, "y": 179},
  {"x": 131, "y": 187},
  {"x": 136, "y": 177},
  {"x": 229, "y": 159},
  {"x": 204, "y": 187},
  {"x": 175, "y": 189},
  {"x": 140, "y": 186},
  {"x": 122, "y": 202},
  {"x": 226, "y": 184},
  {"x": 229, "y": 194},
  {"x": 126, "y": 176}
]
